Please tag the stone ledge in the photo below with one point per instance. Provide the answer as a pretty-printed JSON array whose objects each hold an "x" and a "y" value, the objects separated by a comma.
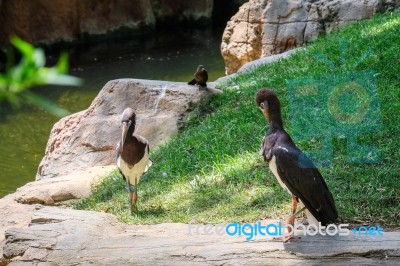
[
  {"x": 98, "y": 238},
  {"x": 76, "y": 185}
]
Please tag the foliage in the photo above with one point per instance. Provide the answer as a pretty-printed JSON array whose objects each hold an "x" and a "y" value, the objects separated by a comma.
[
  {"x": 16, "y": 82},
  {"x": 212, "y": 172}
]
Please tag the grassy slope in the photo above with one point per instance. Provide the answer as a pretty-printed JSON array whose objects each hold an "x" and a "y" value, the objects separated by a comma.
[{"x": 212, "y": 171}]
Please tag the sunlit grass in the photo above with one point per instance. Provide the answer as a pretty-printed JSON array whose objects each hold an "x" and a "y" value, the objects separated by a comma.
[{"x": 212, "y": 172}]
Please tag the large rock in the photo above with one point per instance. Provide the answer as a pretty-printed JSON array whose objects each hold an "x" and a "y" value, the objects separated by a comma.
[
  {"x": 69, "y": 237},
  {"x": 88, "y": 138},
  {"x": 46, "y": 21},
  {"x": 266, "y": 27}
]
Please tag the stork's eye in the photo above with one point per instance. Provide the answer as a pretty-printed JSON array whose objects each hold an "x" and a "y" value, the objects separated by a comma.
[{"x": 262, "y": 105}]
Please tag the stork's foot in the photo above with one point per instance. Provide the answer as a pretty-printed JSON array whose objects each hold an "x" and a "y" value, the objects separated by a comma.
[
  {"x": 134, "y": 210},
  {"x": 285, "y": 239},
  {"x": 290, "y": 238}
]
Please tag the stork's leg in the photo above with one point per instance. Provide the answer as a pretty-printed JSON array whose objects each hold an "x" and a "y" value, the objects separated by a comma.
[
  {"x": 134, "y": 200},
  {"x": 291, "y": 219},
  {"x": 131, "y": 201},
  {"x": 134, "y": 196},
  {"x": 131, "y": 194},
  {"x": 294, "y": 208}
]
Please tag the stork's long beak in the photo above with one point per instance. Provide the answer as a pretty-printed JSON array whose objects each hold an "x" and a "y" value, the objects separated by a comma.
[{"x": 125, "y": 127}]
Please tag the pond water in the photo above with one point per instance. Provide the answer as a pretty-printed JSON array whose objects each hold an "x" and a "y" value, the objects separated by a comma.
[{"x": 170, "y": 55}]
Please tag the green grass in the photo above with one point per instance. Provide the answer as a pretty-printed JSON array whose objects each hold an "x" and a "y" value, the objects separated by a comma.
[{"x": 212, "y": 172}]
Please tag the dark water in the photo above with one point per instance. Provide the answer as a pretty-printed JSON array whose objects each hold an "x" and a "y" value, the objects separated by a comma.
[{"x": 171, "y": 56}]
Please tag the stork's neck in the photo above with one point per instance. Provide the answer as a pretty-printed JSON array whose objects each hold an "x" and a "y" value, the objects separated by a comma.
[
  {"x": 131, "y": 130},
  {"x": 275, "y": 119}
]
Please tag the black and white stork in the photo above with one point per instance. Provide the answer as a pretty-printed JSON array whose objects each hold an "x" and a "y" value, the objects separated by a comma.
[
  {"x": 132, "y": 155},
  {"x": 293, "y": 169},
  {"x": 200, "y": 77}
]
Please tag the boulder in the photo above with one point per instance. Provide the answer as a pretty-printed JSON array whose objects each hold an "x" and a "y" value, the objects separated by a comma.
[
  {"x": 266, "y": 27},
  {"x": 88, "y": 138}
]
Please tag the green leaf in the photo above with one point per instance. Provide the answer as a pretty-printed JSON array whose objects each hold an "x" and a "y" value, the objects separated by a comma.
[
  {"x": 38, "y": 58},
  {"x": 30, "y": 72},
  {"x": 62, "y": 65},
  {"x": 24, "y": 47},
  {"x": 52, "y": 76},
  {"x": 65, "y": 80}
]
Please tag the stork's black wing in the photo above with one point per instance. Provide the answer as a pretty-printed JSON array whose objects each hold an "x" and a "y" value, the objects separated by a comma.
[
  {"x": 304, "y": 180},
  {"x": 203, "y": 78},
  {"x": 118, "y": 153}
]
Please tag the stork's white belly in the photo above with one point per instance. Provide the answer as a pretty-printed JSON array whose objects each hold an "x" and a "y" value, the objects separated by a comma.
[
  {"x": 274, "y": 170},
  {"x": 133, "y": 173}
]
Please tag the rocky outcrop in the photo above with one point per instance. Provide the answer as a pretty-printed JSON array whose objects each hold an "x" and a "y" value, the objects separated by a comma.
[
  {"x": 43, "y": 21},
  {"x": 69, "y": 237},
  {"x": 266, "y": 27},
  {"x": 88, "y": 138}
]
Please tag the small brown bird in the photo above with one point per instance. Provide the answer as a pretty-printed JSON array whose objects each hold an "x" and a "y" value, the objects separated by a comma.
[
  {"x": 132, "y": 155},
  {"x": 200, "y": 77},
  {"x": 292, "y": 168}
]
